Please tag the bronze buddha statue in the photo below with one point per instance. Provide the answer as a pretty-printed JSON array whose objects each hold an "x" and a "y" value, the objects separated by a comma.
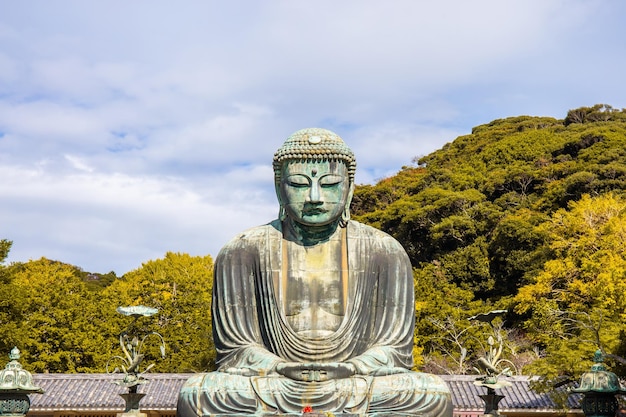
[{"x": 313, "y": 309}]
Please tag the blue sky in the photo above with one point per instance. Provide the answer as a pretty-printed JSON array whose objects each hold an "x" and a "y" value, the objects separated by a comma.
[{"x": 129, "y": 129}]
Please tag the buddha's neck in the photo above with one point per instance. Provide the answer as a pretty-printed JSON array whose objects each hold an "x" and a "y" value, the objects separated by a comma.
[{"x": 309, "y": 235}]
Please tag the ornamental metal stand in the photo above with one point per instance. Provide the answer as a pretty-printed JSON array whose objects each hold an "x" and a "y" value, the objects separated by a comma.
[
  {"x": 15, "y": 386},
  {"x": 132, "y": 344},
  {"x": 492, "y": 365},
  {"x": 491, "y": 400}
]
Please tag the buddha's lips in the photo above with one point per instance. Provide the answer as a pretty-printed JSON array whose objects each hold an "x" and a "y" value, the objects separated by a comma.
[{"x": 312, "y": 211}]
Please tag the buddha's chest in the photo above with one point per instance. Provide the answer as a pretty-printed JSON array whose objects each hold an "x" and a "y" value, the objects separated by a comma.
[{"x": 314, "y": 299}]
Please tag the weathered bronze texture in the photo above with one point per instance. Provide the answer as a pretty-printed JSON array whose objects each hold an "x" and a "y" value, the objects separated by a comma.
[
  {"x": 599, "y": 387},
  {"x": 314, "y": 312},
  {"x": 131, "y": 343},
  {"x": 492, "y": 365},
  {"x": 15, "y": 386}
]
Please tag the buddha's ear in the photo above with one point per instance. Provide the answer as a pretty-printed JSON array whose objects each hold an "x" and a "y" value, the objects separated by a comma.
[
  {"x": 281, "y": 211},
  {"x": 345, "y": 216},
  {"x": 350, "y": 195},
  {"x": 278, "y": 179},
  {"x": 277, "y": 188}
]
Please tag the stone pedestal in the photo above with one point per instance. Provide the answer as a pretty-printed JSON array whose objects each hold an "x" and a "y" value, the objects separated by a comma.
[
  {"x": 491, "y": 403},
  {"x": 132, "y": 405},
  {"x": 131, "y": 414}
]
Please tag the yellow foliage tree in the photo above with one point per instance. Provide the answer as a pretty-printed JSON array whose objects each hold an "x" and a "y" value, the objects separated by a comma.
[
  {"x": 54, "y": 318},
  {"x": 179, "y": 286},
  {"x": 578, "y": 301}
]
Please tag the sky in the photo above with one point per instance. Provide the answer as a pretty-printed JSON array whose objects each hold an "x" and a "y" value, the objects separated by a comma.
[{"x": 132, "y": 128}]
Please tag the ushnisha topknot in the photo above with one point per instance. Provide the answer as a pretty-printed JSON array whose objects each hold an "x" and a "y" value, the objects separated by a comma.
[{"x": 314, "y": 144}]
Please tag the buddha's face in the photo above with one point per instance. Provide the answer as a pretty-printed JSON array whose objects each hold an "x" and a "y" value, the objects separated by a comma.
[{"x": 314, "y": 193}]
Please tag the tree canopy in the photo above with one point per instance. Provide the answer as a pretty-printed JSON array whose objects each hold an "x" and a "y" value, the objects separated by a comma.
[
  {"x": 480, "y": 221},
  {"x": 63, "y": 322},
  {"x": 525, "y": 215},
  {"x": 179, "y": 286}
]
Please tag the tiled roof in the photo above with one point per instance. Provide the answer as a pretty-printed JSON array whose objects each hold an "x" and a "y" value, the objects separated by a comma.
[
  {"x": 517, "y": 396},
  {"x": 97, "y": 392}
]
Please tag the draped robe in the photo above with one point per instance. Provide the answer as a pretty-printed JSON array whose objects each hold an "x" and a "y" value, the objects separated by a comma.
[{"x": 252, "y": 335}]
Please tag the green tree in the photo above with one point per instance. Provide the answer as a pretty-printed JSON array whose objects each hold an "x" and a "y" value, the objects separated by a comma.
[
  {"x": 441, "y": 312},
  {"x": 452, "y": 343},
  {"x": 516, "y": 249},
  {"x": 5, "y": 247},
  {"x": 180, "y": 286},
  {"x": 478, "y": 213},
  {"x": 10, "y": 318},
  {"x": 576, "y": 303},
  {"x": 596, "y": 113},
  {"x": 54, "y": 320}
]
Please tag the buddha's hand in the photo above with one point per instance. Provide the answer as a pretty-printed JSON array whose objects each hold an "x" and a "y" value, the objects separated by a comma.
[
  {"x": 241, "y": 371},
  {"x": 389, "y": 371},
  {"x": 315, "y": 372}
]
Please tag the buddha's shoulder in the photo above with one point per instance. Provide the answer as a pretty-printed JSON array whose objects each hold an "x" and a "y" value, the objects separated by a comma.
[
  {"x": 364, "y": 231},
  {"x": 254, "y": 235}
]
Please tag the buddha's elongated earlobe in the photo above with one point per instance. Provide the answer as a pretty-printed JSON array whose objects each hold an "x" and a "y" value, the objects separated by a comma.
[
  {"x": 282, "y": 214},
  {"x": 345, "y": 217}
]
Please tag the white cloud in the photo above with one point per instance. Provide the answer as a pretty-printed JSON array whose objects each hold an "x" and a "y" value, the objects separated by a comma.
[
  {"x": 128, "y": 129},
  {"x": 116, "y": 221},
  {"x": 78, "y": 163}
]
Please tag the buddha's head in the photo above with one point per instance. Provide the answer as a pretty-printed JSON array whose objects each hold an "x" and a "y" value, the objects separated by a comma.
[{"x": 314, "y": 177}]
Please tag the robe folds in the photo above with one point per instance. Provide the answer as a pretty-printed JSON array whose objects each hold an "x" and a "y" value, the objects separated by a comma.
[{"x": 252, "y": 335}]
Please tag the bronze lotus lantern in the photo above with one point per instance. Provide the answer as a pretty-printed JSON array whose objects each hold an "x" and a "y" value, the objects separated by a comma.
[
  {"x": 16, "y": 384},
  {"x": 599, "y": 388}
]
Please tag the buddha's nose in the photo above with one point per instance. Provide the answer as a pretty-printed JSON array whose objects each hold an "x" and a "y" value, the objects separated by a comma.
[{"x": 314, "y": 193}]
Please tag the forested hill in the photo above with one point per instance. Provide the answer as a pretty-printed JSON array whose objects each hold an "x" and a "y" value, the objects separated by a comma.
[{"x": 525, "y": 213}]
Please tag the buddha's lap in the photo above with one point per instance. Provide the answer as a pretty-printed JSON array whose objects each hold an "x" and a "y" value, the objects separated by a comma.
[{"x": 203, "y": 390}]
